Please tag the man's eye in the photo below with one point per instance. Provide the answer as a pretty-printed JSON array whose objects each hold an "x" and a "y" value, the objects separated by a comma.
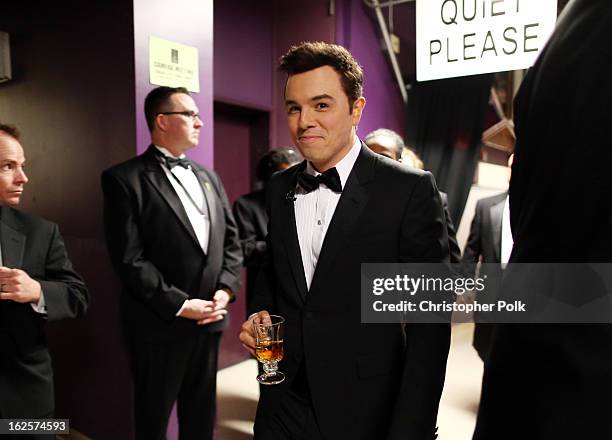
[
  {"x": 322, "y": 106},
  {"x": 6, "y": 167},
  {"x": 293, "y": 109}
]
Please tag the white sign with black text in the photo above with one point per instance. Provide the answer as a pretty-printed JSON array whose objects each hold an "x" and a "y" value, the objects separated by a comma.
[{"x": 470, "y": 37}]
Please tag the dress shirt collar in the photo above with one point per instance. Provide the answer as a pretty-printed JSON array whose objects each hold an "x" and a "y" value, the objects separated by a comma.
[
  {"x": 345, "y": 165},
  {"x": 168, "y": 154}
]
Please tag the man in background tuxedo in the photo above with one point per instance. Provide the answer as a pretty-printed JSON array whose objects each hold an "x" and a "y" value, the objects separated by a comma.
[
  {"x": 328, "y": 215},
  {"x": 174, "y": 244},
  {"x": 489, "y": 242},
  {"x": 554, "y": 381},
  {"x": 37, "y": 284},
  {"x": 251, "y": 217}
]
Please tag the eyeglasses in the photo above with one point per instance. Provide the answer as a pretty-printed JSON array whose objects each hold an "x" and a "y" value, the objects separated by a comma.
[{"x": 187, "y": 113}]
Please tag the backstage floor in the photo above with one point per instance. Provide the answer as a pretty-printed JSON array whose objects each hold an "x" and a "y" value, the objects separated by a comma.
[{"x": 238, "y": 391}]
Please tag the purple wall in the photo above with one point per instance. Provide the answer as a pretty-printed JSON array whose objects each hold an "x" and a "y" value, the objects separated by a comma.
[
  {"x": 187, "y": 22},
  {"x": 358, "y": 31},
  {"x": 243, "y": 64}
]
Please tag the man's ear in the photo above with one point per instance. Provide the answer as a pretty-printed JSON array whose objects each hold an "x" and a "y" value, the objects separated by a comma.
[
  {"x": 357, "y": 110},
  {"x": 160, "y": 122}
]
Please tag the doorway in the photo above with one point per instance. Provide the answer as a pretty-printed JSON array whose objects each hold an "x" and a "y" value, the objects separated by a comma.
[{"x": 241, "y": 138}]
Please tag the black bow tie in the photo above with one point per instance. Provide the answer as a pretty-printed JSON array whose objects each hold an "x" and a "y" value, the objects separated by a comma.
[
  {"x": 329, "y": 178},
  {"x": 172, "y": 162}
]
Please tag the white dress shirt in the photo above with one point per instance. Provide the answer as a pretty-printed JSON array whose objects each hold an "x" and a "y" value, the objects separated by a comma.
[
  {"x": 314, "y": 211},
  {"x": 199, "y": 222},
  {"x": 506, "y": 234}
]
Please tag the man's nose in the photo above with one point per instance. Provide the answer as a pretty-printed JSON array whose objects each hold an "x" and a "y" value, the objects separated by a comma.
[
  {"x": 197, "y": 122},
  {"x": 306, "y": 119},
  {"x": 20, "y": 176}
]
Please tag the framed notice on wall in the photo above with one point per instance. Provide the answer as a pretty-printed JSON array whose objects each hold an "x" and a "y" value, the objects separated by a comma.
[
  {"x": 173, "y": 64},
  {"x": 470, "y": 37}
]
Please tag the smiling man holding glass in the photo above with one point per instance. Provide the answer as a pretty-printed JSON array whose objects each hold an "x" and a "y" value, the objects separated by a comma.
[{"x": 327, "y": 216}]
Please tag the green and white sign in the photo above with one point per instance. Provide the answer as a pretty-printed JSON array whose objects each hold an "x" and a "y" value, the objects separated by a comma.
[{"x": 173, "y": 64}]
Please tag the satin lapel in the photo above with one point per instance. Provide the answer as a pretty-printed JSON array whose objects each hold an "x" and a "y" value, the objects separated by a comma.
[
  {"x": 352, "y": 202},
  {"x": 497, "y": 213},
  {"x": 289, "y": 235},
  {"x": 12, "y": 240},
  {"x": 158, "y": 179}
]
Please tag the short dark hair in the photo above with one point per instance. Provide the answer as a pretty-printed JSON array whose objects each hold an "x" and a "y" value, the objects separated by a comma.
[
  {"x": 157, "y": 99},
  {"x": 390, "y": 134},
  {"x": 9, "y": 130},
  {"x": 271, "y": 161},
  {"x": 312, "y": 55}
]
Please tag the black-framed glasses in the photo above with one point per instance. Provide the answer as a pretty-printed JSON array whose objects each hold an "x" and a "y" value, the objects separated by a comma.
[{"x": 187, "y": 113}]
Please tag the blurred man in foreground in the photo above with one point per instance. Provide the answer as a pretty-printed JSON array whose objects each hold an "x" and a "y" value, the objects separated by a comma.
[{"x": 558, "y": 376}]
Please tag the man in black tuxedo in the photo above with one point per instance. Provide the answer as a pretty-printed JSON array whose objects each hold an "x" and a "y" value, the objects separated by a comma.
[
  {"x": 345, "y": 379},
  {"x": 174, "y": 244},
  {"x": 37, "y": 284},
  {"x": 489, "y": 242},
  {"x": 554, "y": 381}
]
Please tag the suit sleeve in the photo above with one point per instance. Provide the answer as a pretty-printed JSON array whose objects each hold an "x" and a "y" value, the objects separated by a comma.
[
  {"x": 253, "y": 249},
  {"x": 472, "y": 251},
  {"x": 138, "y": 274},
  {"x": 424, "y": 239},
  {"x": 65, "y": 293},
  {"x": 230, "y": 275}
]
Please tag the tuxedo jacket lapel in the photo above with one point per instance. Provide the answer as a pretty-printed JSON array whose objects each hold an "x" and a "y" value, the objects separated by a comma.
[
  {"x": 158, "y": 179},
  {"x": 352, "y": 202},
  {"x": 290, "y": 238},
  {"x": 12, "y": 240}
]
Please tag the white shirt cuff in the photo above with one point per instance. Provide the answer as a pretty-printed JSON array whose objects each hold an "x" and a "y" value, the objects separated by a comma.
[{"x": 41, "y": 305}]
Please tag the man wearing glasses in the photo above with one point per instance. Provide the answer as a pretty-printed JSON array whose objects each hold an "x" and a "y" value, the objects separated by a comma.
[{"x": 174, "y": 244}]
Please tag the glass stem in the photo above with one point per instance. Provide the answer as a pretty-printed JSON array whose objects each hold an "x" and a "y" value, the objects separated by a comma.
[{"x": 270, "y": 368}]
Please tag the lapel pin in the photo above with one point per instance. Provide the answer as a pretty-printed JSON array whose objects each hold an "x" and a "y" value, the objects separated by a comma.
[{"x": 207, "y": 186}]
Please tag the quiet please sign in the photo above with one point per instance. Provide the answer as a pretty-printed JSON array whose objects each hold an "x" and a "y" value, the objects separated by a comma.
[{"x": 470, "y": 37}]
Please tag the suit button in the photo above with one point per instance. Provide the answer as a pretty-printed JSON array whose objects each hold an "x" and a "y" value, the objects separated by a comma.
[{"x": 308, "y": 315}]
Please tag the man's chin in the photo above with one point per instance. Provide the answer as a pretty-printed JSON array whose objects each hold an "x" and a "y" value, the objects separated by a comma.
[
  {"x": 11, "y": 201},
  {"x": 312, "y": 153}
]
